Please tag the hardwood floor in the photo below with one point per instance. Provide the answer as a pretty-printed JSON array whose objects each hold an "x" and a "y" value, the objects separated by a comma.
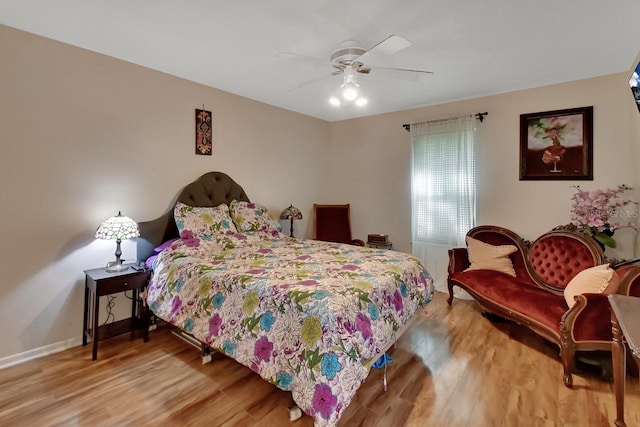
[{"x": 452, "y": 367}]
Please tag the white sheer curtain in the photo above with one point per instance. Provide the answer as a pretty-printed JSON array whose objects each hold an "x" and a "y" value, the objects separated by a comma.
[{"x": 443, "y": 186}]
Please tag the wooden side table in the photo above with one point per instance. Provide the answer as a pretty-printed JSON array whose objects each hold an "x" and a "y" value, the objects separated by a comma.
[
  {"x": 625, "y": 322},
  {"x": 99, "y": 282}
]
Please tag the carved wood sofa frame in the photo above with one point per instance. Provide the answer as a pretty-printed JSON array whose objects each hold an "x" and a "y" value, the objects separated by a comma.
[{"x": 543, "y": 269}]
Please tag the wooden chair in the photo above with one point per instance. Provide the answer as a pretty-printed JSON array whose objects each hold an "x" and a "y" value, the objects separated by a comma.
[{"x": 332, "y": 223}]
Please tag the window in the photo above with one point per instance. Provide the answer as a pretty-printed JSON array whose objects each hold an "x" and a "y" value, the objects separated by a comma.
[{"x": 443, "y": 180}]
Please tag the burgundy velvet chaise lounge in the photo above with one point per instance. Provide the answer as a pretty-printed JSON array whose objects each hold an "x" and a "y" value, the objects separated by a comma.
[{"x": 535, "y": 296}]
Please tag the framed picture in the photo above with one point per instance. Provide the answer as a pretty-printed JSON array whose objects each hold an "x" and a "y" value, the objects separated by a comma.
[
  {"x": 557, "y": 145},
  {"x": 204, "y": 141}
]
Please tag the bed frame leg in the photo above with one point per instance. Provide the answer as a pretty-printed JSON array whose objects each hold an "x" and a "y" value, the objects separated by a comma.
[
  {"x": 295, "y": 413},
  {"x": 206, "y": 351},
  {"x": 384, "y": 380},
  {"x": 207, "y": 355}
]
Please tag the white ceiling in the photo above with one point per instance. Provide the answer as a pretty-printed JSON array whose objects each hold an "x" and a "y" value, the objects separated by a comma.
[{"x": 475, "y": 48}]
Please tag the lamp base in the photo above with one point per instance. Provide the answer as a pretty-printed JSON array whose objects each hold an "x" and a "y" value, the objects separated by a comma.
[
  {"x": 117, "y": 268},
  {"x": 117, "y": 265}
]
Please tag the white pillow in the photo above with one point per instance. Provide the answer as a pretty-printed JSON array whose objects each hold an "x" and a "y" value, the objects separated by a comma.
[
  {"x": 600, "y": 279},
  {"x": 484, "y": 256}
]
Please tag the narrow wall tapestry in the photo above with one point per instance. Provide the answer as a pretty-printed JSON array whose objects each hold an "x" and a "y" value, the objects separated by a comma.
[{"x": 203, "y": 132}]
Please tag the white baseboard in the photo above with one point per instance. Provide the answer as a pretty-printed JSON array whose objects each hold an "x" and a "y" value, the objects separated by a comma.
[{"x": 16, "y": 359}]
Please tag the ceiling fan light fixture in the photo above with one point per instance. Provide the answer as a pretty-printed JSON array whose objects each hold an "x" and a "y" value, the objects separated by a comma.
[
  {"x": 351, "y": 61},
  {"x": 350, "y": 92}
]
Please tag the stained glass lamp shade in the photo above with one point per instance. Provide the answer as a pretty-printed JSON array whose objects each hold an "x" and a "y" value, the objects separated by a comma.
[
  {"x": 291, "y": 213},
  {"x": 118, "y": 228}
]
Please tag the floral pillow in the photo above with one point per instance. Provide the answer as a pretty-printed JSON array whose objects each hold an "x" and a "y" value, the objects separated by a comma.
[
  {"x": 253, "y": 217},
  {"x": 203, "y": 222}
]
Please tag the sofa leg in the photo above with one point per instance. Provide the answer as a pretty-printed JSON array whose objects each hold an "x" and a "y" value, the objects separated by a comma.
[
  {"x": 450, "y": 286},
  {"x": 567, "y": 355},
  {"x": 568, "y": 380},
  {"x": 567, "y": 352}
]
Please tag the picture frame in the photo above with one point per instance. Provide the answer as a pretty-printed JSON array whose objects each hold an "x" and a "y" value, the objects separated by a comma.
[
  {"x": 557, "y": 145},
  {"x": 204, "y": 142}
]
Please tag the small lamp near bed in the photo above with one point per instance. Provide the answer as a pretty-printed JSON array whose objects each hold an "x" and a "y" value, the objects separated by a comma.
[
  {"x": 291, "y": 213},
  {"x": 118, "y": 228}
]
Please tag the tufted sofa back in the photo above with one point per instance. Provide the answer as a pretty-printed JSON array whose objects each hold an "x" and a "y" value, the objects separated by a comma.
[
  {"x": 557, "y": 256},
  {"x": 549, "y": 262}
]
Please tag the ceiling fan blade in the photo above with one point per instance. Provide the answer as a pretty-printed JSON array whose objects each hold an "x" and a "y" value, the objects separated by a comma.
[
  {"x": 309, "y": 82},
  {"x": 401, "y": 73},
  {"x": 388, "y": 46},
  {"x": 302, "y": 58}
]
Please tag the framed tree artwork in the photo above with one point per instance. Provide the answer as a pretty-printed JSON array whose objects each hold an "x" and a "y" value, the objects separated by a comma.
[
  {"x": 204, "y": 143},
  {"x": 557, "y": 145}
]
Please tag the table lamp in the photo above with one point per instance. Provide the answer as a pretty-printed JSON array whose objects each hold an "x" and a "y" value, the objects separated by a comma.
[
  {"x": 291, "y": 213},
  {"x": 117, "y": 228}
]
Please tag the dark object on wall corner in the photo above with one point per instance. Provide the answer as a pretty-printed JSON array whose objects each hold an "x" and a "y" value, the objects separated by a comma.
[
  {"x": 204, "y": 143},
  {"x": 633, "y": 82}
]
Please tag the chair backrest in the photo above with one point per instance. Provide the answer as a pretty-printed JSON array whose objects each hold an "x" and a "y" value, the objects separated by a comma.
[{"x": 332, "y": 223}]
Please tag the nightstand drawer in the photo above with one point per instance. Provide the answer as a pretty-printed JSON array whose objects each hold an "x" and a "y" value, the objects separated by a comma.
[{"x": 121, "y": 284}]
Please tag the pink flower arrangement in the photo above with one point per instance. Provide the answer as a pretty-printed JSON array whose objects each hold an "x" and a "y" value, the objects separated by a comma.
[{"x": 599, "y": 213}]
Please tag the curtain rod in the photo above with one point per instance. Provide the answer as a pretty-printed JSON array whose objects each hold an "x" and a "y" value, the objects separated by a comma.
[{"x": 479, "y": 116}]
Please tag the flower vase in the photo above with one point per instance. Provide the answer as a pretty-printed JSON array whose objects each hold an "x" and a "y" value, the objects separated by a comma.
[{"x": 607, "y": 232}]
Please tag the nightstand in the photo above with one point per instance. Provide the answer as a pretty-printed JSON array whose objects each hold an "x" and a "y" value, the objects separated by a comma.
[{"x": 99, "y": 282}]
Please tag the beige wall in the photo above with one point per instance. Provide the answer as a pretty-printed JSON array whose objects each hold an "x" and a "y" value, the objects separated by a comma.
[
  {"x": 83, "y": 135},
  {"x": 374, "y": 153}
]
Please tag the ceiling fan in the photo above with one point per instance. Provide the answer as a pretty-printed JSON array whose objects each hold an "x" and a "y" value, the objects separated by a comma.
[{"x": 351, "y": 59}]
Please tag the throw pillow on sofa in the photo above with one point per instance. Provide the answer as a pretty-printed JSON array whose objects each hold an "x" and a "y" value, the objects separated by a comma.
[
  {"x": 600, "y": 279},
  {"x": 484, "y": 256}
]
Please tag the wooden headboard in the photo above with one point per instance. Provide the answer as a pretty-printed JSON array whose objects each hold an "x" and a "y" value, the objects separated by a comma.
[{"x": 211, "y": 189}]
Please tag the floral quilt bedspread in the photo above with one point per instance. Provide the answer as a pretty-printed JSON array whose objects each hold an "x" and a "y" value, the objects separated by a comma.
[{"x": 307, "y": 316}]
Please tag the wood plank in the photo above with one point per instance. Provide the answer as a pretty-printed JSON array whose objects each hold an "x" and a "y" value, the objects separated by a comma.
[{"x": 452, "y": 367}]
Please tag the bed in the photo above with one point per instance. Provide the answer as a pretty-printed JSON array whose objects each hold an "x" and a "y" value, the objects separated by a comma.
[{"x": 309, "y": 317}]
